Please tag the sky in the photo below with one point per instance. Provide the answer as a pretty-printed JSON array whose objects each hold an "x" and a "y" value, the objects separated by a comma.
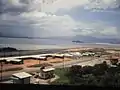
[{"x": 98, "y": 18}]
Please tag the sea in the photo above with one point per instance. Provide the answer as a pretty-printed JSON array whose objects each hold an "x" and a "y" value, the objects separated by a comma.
[{"x": 35, "y": 44}]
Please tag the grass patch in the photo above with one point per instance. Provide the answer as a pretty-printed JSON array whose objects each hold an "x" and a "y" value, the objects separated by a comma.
[
  {"x": 12, "y": 69},
  {"x": 62, "y": 74},
  {"x": 59, "y": 61},
  {"x": 36, "y": 65},
  {"x": 56, "y": 61}
]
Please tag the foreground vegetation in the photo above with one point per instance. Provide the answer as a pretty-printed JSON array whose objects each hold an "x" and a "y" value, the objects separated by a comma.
[
  {"x": 98, "y": 75},
  {"x": 62, "y": 74}
]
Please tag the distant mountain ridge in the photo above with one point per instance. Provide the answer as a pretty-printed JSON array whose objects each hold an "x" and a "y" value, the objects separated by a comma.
[{"x": 90, "y": 39}]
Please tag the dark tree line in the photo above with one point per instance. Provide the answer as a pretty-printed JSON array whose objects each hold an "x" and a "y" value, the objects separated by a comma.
[
  {"x": 7, "y": 49},
  {"x": 97, "y": 75}
]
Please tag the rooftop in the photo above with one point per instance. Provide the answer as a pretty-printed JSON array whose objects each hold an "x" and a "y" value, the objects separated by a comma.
[
  {"x": 13, "y": 59},
  {"x": 42, "y": 57},
  {"x": 60, "y": 55},
  {"x": 48, "y": 69},
  {"x": 22, "y": 75}
]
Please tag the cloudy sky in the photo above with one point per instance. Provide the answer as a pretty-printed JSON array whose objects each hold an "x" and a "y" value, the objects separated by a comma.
[{"x": 98, "y": 18}]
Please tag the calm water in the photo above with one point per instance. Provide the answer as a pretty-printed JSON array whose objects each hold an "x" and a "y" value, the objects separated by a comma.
[{"x": 33, "y": 44}]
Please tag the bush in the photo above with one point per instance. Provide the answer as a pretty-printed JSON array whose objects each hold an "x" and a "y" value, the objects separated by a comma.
[
  {"x": 76, "y": 70},
  {"x": 114, "y": 61},
  {"x": 87, "y": 69},
  {"x": 97, "y": 75}
]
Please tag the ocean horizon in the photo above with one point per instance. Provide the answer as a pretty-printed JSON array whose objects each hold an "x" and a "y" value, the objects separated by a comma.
[{"x": 35, "y": 44}]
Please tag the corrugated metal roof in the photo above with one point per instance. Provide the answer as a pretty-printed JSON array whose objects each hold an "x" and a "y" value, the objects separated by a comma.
[
  {"x": 14, "y": 59},
  {"x": 40, "y": 55},
  {"x": 48, "y": 69},
  {"x": 22, "y": 75}
]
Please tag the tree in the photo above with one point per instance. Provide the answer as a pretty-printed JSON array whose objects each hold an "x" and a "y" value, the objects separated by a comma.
[
  {"x": 87, "y": 69},
  {"x": 99, "y": 69},
  {"x": 114, "y": 61},
  {"x": 7, "y": 49}
]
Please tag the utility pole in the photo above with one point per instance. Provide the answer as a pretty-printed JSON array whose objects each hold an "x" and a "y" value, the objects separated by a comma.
[
  {"x": 63, "y": 62},
  {"x": 39, "y": 62},
  {"x": 1, "y": 70}
]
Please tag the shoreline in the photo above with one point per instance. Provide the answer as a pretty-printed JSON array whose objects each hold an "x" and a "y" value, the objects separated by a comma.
[
  {"x": 50, "y": 49},
  {"x": 29, "y": 52},
  {"x": 33, "y": 47}
]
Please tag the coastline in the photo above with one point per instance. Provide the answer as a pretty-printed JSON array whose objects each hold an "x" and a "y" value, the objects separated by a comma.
[
  {"x": 32, "y": 49},
  {"x": 59, "y": 46}
]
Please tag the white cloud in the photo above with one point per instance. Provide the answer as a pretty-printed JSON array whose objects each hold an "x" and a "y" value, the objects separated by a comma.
[
  {"x": 86, "y": 4},
  {"x": 38, "y": 24},
  {"x": 41, "y": 24},
  {"x": 102, "y": 4},
  {"x": 55, "y": 5},
  {"x": 109, "y": 31},
  {"x": 65, "y": 4},
  {"x": 95, "y": 29}
]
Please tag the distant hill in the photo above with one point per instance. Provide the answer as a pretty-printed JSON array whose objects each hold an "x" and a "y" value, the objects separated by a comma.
[
  {"x": 90, "y": 39},
  {"x": 7, "y": 49},
  {"x": 77, "y": 41}
]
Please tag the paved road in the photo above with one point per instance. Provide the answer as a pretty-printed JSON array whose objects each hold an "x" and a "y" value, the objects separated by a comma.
[{"x": 82, "y": 61}]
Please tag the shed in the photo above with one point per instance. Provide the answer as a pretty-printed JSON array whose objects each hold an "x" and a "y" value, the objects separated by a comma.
[
  {"x": 68, "y": 55},
  {"x": 21, "y": 78},
  {"x": 43, "y": 58},
  {"x": 14, "y": 60},
  {"x": 58, "y": 55},
  {"x": 47, "y": 73}
]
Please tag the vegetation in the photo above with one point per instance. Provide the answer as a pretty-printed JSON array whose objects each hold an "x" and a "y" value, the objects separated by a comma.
[
  {"x": 36, "y": 65},
  {"x": 62, "y": 74},
  {"x": 98, "y": 75},
  {"x": 114, "y": 61},
  {"x": 40, "y": 65}
]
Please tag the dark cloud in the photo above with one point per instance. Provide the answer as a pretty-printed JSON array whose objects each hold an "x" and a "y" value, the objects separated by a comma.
[
  {"x": 22, "y": 18},
  {"x": 17, "y": 6}
]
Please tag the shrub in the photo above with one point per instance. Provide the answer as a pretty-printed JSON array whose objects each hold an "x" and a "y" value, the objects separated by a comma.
[
  {"x": 87, "y": 69},
  {"x": 75, "y": 69}
]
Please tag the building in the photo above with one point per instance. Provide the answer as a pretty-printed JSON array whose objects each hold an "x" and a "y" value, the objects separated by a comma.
[
  {"x": 47, "y": 73},
  {"x": 58, "y": 56},
  {"x": 21, "y": 78},
  {"x": 88, "y": 54},
  {"x": 14, "y": 61}
]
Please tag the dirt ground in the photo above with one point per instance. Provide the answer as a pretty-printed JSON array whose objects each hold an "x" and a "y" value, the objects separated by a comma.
[
  {"x": 8, "y": 66},
  {"x": 77, "y": 49},
  {"x": 29, "y": 62}
]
